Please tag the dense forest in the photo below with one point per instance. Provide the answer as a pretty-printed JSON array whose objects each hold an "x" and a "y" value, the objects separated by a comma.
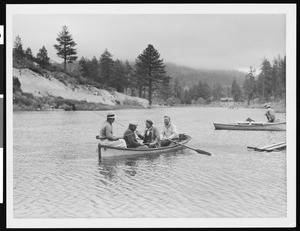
[{"x": 149, "y": 77}]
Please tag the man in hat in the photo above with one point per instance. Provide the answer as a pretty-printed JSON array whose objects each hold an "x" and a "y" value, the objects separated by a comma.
[
  {"x": 169, "y": 132},
  {"x": 151, "y": 136},
  {"x": 129, "y": 137},
  {"x": 106, "y": 133},
  {"x": 270, "y": 113}
]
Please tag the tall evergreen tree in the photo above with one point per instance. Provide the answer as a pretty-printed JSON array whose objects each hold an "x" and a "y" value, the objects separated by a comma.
[
  {"x": 152, "y": 69},
  {"x": 282, "y": 78},
  {"x": 129, "y": 75},
  {"x": 83, "y": 67},
  {"x": 42, "y": 57},
  {"x": 118, "y": 77},
  {"x": 217, "y": 92},
  {"x": 106, "y": 67},
  {"x": 249, "y": 85},
  {"x": 18, "y": 51},
  {"x": 265, "y": 80},
  {"x": 236, "y": 91},
  {"x": 93, "y": 70},
  {"x": 28, "y": 54},
  {"x": 178, "y": 90},
  {"x": 65, "y": 47},
  {"x": 206, "y": 92}
]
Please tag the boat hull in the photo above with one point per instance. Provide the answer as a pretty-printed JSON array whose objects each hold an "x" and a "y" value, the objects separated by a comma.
[
  {"x": 257, "y": 126},
  {"x": 106, "y": 151}
]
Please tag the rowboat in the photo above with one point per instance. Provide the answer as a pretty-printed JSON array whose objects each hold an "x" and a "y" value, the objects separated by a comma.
[
  {"x": 255, "y": 126},
  {"x": 107, "y": 151}
]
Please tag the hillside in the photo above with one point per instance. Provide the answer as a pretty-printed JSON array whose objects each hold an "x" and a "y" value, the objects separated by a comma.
[
  {"x": 189, "y": 76},
  {"x": 48, "y": 85}
]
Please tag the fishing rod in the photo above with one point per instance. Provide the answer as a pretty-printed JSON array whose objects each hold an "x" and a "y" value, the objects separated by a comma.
[
  {"x": 97, "y": 137},
  {"x": 114, "y": 121}
]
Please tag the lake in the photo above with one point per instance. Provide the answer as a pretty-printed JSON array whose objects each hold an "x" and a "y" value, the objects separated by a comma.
[{"x": 57, "y": 172}]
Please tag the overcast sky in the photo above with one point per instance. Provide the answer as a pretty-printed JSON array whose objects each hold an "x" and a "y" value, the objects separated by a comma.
[{"x": 214, "y": 41}]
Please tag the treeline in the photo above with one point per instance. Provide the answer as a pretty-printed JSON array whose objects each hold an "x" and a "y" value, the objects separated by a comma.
[
  {"x": 147, "y": 77},
  {"x": 268, "y": 85},
  {"x": 144, "y": 78}
]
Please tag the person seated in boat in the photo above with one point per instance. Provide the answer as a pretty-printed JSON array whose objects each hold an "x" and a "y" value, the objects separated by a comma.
[
  {"x": 151, "y": 137},
  {"x": 169, "y": 132},
  {"x": 106, "y": 133},
  {"x": 130, "y": 138},
  {"x": 270, "y": 113}
]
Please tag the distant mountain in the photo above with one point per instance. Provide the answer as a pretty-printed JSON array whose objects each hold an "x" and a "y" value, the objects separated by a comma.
[{"x": 189, "y": 76}]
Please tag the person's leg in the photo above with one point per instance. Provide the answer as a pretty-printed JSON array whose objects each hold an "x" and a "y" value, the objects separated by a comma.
[
  {"x": 165, "y": 143},
  {"x": 117, "y": 143},
  {"x": 153, "y": 145}
]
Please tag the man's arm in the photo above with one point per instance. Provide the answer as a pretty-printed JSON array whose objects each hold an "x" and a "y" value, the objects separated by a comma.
[
  {"x": 174, "y": 132},
  {"x": 131, "y": 141},
  {"x": 157, "y": 135},
  {"x": 108, "y": 134}
]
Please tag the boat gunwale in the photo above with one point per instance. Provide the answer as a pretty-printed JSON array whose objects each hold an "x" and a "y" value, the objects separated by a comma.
[
  {"x": 148, "y": 149},
  {"x": 250, "y": 124}
]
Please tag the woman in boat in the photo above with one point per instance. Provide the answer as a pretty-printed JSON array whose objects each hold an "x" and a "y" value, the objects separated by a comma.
[
  {"x": 130, "y": 139},
  {"x": 270, "y": 113},
  {"x": 151, "y": 136}
]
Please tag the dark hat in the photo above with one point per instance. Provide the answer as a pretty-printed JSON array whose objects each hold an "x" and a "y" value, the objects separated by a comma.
[
  {"x": 149, "y": 122},
  {"x": 133, "y": 123}
]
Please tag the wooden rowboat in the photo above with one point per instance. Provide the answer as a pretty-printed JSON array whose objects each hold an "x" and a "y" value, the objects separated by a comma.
[
  {"x": 107, "y": 151},
  {"x": 254, "y": 126}
]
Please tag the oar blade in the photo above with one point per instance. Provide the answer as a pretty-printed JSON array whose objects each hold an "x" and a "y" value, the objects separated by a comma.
[{"x": 202, "y": 152}]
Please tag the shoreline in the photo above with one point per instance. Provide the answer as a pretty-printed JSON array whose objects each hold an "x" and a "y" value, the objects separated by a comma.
[{"x": 278, "y": 108}]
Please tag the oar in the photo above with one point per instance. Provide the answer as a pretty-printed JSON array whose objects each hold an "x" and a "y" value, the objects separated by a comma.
[{"x": 196, "y": 150}]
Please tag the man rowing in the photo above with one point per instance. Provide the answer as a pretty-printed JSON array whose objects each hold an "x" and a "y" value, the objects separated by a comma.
[
  {"x": 169, "y": 132},
  {"x": 106, "y": 133},
  {"x": 130, "y": 138},
  {"x": 270, "y": 113},
  {"x": 151, "y": 136}
]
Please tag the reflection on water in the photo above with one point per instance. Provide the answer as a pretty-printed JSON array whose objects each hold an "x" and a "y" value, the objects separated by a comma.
[{"x": 57, "y": 172}]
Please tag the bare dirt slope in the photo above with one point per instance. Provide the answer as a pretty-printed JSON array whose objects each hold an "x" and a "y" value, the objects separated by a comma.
[{"x": 39, "y": 85}]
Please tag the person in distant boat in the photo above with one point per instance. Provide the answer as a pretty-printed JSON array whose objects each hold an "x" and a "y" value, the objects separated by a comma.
[
  {"x": 169, "y": 132},
  {"x": 130, "y": 138},
  {"x": 106, "y": 133},
  {"x": 151, "y": 136},
  {"x": 270, "y": 113}
]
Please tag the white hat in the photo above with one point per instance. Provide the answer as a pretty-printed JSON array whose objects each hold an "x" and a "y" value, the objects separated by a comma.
[
  {"x": 111, "y": 115},
  {"x": 133, "y": 123},
  {"x": 266, "y": 105}
]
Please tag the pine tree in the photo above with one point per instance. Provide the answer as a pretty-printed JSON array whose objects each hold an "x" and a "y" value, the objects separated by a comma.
[
  {"x": 217, "y": 92},
  {"x": 28, "y": 54},
  {"x": 129, "y": 75},
  {"x": 65, "y": 47},
  {"x": 118, "y": 77},
  {"x": 282, "y": 78},
  {"x": 106, "y": 67},
  {"x": 93, "y": 70},
  {"x": 151, "y": 69},
  {"x": 18, "y": 51},
  {"x": 42, "y": 57},
  {"x": 236, "y": 91},
  {"x": 265, "y": 80},
  {"x": 249, "y": 85}
]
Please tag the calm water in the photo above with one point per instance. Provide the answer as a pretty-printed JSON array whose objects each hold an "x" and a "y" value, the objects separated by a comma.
[{"x": 57, "y": 173}]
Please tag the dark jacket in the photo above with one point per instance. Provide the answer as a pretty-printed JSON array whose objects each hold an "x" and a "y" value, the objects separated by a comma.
[
  {"x": 151, "y": 136},
  {"x": 130, "y": 139}
]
